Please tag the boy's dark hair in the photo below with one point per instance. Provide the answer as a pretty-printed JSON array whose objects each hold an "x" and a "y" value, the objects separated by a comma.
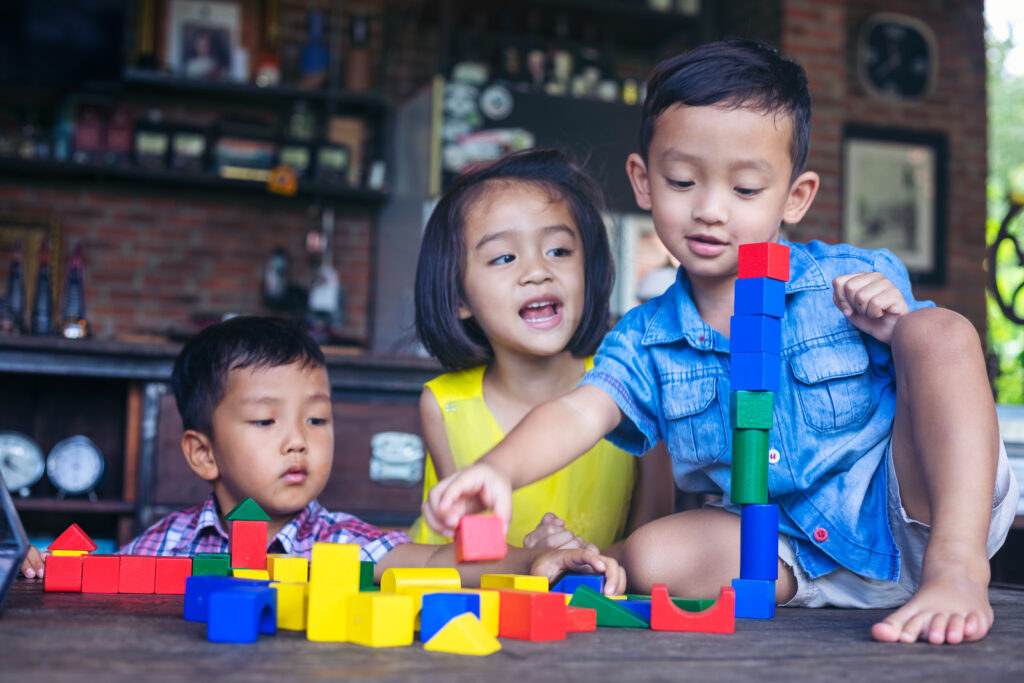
[
  {"x": 734, "y": 73},
  {"x": 459, "y": 344},
  {"x": 201, "y": 369}
]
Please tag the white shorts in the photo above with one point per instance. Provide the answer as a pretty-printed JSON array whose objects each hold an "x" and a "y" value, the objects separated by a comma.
[{"x": 843, "y": 588}]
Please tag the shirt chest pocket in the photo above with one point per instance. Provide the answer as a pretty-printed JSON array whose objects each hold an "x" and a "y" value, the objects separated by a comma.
[
  {"x": 833, "y": 385},
  {"x": 696, "y": 422}
]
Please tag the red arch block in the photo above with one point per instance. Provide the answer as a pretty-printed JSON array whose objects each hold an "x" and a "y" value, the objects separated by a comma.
[{"x": 719, "y": 618}]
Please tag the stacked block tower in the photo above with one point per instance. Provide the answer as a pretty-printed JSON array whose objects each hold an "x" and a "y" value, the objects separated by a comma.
[{"x": 755, "y": 337}]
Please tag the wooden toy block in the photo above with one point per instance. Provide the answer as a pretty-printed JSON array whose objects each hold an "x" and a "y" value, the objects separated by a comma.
[
  {"x": 248, "y": 544},
  {"x": 580, "y": 619},
  {"x": 480, "y": 537},
  {"x": 719, "y": 618},
  {"x": 490, "y": 607},
  {"x": 749, "y": 466},
  {"x": 755, "y": 599},
  {"x": 764, "y": 259},
  {"x": 609, "y": 612},
  {"x": 642, "y": 608},
  {"x": 529, "y": 615},
  {"x": 759, "y": 543},
  {"x": 237, "y": 615},
  {"x": 292, "y": 603},
  {"x": 570, "y": 582},
  {"x": 69, "y": 553},
  {"x": 249, "y": 510},
  {"x": 171, "y": 573},
  {"x": 754, "y": 372},
  {"x": 440, "y": 608},
  {"x": 335, "y": 565},
  {"x": 519, "y": 582},
  {"x": 404, "y": 579},
  {"x": 751, "y": 409},
  {"x": 199, "y": 588},
  {"x": 687, "y": 604},
  {"x": 258, "y": 574},
  {"x": 137, "y": 574},
  {"x": 760, "y": 296},
  {"x": 211, "y": 564},
  {"x": 100, "y": 573},
  {"x": 73, "y": 538},
  {"x": 288, "y": 568},
  {"x": 333, "y": 579},
  {"x": 463, "y": 635},
  {"x": 755, "y": 333},
  {"x": 63, "y": 573},
  {"x": 380, "y": 619},
  {"x": 366, "y": 576}
]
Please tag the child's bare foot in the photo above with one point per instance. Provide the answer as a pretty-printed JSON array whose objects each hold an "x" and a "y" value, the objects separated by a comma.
[{"x": 950, "y": 606}]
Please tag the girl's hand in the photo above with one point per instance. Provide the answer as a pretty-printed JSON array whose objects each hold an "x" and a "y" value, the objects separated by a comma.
[
  {"x": 554, "y": 563},
  {"x": 472, "y": 489},
  {"x": 870, "y": 302},
  {"x": 34, "y": 565},
  {"x": 551, "y": 533}
]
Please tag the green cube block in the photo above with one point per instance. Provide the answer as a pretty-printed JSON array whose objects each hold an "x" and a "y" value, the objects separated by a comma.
[
  {"x": 751, "y": 409},
  {"x": 211, "y": 564},
  {"x": 749, "y": 466},
  {"x": 366, "y": 576}
]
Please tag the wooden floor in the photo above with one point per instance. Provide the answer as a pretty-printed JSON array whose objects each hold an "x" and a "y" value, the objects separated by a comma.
[{"x": 92, "y": 638}]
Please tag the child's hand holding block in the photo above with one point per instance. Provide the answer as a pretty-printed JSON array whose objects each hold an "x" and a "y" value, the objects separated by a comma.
[{"x": 480, "y": 537}]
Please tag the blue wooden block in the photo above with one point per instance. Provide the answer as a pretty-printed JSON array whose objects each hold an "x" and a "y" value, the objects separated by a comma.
[
  {"x": 237, "y": 614},
  {"x": 754, "y": 333},
  {"x": 641, "y": 607},
  {"x": 440, "y": 608},
  {"x": 760, "y": 296},
  {"x": 198, "y": 589},
  {"x": 570, "y": 582},
  {"x": 754, "y": 599},
  {"x": 754, "y": 372},
  {"x": 759, "y": 542}
]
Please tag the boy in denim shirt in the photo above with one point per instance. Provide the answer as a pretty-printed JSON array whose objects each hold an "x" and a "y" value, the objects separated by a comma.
[{"x": 886, "y": 462}]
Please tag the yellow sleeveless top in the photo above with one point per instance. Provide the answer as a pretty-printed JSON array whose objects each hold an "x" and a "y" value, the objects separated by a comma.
[{"x": 592, "y": 494}]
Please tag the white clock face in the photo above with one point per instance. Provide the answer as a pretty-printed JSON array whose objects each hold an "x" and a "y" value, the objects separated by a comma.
[
  {"x": 21, "y": 461},
  {"x": 75, "y": 465}
]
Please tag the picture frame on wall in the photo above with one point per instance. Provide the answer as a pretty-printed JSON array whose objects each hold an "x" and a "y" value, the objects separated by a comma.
[
  {"x": 894, "y": 196},
  {"x": 204, "y": 40}
]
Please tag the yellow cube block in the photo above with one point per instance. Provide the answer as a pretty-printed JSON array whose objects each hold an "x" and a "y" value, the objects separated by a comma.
[
  {"x": 490, "y": 602},
  {"x": 463, "y": 635},
  {"x": 288, "y": 568},
  {"x": 292, "y": 605},
  {"x": 241, "y": 573},
  {"x": 380, "y": 619},
  {"x": 335, "y": 564},
  {"x": 521, "y": 582}
]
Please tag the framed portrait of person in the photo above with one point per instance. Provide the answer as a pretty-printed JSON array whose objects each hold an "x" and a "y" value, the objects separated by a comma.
[{"x": 203, "y": 40}]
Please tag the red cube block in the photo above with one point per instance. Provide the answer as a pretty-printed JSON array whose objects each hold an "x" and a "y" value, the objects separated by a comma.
[
  {"x": 171, "y": 573},
  {"x": 581, "y": 619},
  {"x": 527, "y": 615},
  {"x": 101, "y": 573},
  {"x": 248, "y": 544},
  {"x": 764, "y": 259},
  {"x": 480, "y": 537},
  {"x": 138, "y": 574},
  {"x": 63, "y": 573}
]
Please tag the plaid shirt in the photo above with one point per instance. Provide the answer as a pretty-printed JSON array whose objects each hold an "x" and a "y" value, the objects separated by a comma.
[{"x": 198, "y": 529}]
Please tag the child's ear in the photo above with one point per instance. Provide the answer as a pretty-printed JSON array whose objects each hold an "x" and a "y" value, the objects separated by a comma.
[
  {"x": 801, "y": 196},
  {"x": 464, "y": 312},
  {"x": 198, "y": 451},
  {"x": 636, "y": 169}
]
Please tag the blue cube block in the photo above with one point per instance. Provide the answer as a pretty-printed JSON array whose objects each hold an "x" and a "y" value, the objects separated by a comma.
[
  {"x": 642, "y": 608},
  {"x": 760, "y": 296},
  {"x": 238, "y": 614},
  {"x": 570, "y": 582},
  {"x": 759, "y": 542},
  {"x": 440, "y": 608},
  {"x": 754, "y": 599},
  {"x": 755, "y": 333},
  {"x": 755, "y": 372}
]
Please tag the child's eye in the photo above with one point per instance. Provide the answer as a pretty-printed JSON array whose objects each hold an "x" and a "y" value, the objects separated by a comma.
[
  {"x": 262, "y": 423},
  {"x": 560, "y": 252},
  {"x": 681, "y": 184},
  {"x": 747, "y": 191},
  {"x": 503, "y": 259},
  {"x": 318, "y": 421}
]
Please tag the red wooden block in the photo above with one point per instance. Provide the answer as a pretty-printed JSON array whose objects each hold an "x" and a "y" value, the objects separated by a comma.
[
  {"x": 764, "y": 259},
  {"x": 101, "y": 573},
  {"x": 63, "y": 573},
  {"x": 719, "y": 618},
  {"x": 248, "y": 545},
  {"x": 171, "y": 573},
  {"x": 528, "y": 615},
  {"x": 73, "y": 538},
  {"x": 138, "y": 574},
  {"x": 580, "y": 619},
  {"x": 480, "y": 537}
]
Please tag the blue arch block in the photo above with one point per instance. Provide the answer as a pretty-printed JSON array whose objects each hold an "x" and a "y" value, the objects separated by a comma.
[
  {"x": 198, "y": 589},
  {"x": 238, "y": 614}
]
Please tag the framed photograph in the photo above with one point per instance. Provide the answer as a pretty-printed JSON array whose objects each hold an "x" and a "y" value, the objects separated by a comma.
[
  {"x": 894, "y": 196},
  {"x": 204, "y": 39}
]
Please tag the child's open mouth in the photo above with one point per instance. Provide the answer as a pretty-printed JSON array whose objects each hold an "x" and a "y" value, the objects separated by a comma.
[
  {"x": 296, "y": 474},
  {"x": 541, "y": 313},
  {"x": 705, "y": 245}
]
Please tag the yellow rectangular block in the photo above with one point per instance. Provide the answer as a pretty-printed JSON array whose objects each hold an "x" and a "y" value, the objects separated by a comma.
[
  {"x": 522, "y": 582},
  {"x": 403, "y": 580},
  {"x": 616, "y": 597},
  {"x": 241, "y": 573},
  {"x": 380, "y": 619},
  {"x": 292, "y": 605},
  {"x": 335, "y": 564},
  {"x": 490, "y": 601},
  {"x": 333, "y": 578},
  {"x": 69, "y": 553},
  {"x": 327, "y": 615},
  {"x": 288, "y": 568}
]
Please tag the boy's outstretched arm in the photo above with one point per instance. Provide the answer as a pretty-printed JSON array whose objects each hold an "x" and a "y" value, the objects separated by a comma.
[
  {"x": 870, "y": 302},
  {"x": 550, "y": 437}
]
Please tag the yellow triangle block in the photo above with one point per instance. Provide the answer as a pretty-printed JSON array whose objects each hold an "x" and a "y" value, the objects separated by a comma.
[{"x": 463, "y": 635}]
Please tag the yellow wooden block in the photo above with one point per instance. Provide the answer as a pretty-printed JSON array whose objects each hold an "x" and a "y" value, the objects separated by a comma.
[
  {"x": 404, "y": 580},
  {"x": 333, "y": 578},
  {"x": 288, "y": 568},
  {"x": 521, "y": 582},
  {"x": 292, "y": 604},
  {"x": 69, "y": 553},
  {"x": 463, "y": 635},
  {"x": 241, "y": 573},
  {"x": 380, "y": 619},
  {"x": 335, "y": 564},
  {"x": 568, "y": 598},
  {"x": 489, "y": 608},
  {"x": 616, "y": 597}
]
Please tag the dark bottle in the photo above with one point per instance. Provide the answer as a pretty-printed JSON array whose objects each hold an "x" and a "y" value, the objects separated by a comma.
[
  {"x": 12, "y": 313},
  {"x": 42, "y": 307},
  {"x": 73, "y": 324}
]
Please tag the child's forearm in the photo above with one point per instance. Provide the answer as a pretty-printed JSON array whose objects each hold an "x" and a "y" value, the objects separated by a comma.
[{"x": 516, "y": 561}]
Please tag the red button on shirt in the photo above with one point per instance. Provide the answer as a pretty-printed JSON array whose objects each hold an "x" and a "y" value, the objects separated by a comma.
[{"x": 820, "y": 535}]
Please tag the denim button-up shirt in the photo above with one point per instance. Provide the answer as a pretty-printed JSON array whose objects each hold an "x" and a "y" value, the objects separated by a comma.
[{"x": 669, "y": 373}]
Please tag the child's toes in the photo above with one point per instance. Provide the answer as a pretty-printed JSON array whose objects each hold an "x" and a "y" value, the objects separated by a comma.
[
  {"x": 885, "y": 632},
  {"x": 955, "y": 629},
  {"x": 911, "y": 630},
  {"x": 936, "y": 630}
]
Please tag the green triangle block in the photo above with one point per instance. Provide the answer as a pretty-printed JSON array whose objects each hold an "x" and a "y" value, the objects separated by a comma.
[
  {"x": 685, "y": 604},
  {"x": 248, "y": 510},
  {"x": 609, "y": 612}
]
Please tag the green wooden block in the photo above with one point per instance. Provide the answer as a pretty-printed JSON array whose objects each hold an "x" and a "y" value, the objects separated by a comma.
[
  {"x": 749, "y": 466},
  {"x": 366, "y": 576},
  {"x": 211, "y": 564},
  {"x": 248, "y": 510},
  {"x": 685, "y": 604},
  {"x": 609, "y": 612},
  {"x": 751, "y": 409}
]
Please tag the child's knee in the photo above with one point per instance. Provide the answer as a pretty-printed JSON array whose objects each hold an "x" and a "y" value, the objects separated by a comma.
[{"x": 937, "y": 330}]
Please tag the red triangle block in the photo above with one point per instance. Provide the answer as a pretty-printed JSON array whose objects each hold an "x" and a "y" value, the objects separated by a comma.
[{"x": 73, "y": 538}]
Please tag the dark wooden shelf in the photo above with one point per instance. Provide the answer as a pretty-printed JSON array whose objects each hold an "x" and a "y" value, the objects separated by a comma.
[{"x": 75, "y": 505}]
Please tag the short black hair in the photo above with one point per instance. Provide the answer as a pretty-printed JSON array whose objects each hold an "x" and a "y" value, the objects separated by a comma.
[
  {"x": 201, "y": 369},
  {"x": 736, "y": 73},
  {"x": 458, "y": 343}
]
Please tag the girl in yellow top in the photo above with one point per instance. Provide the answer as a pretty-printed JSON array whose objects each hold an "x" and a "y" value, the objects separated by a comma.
[{"x": 512, "y": 290}]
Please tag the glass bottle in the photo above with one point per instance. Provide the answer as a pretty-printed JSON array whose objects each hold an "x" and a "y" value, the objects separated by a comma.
[
  {"x": 42, "y": 307},
  {"x": 12, "y": 313},
  {"x": 73, "y": 324}
]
